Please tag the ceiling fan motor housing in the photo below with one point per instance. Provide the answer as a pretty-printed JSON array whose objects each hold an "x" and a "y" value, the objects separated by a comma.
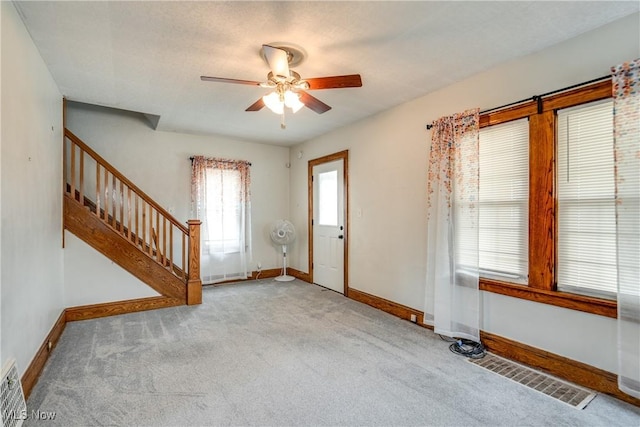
[{"x": 295, "y": 54}]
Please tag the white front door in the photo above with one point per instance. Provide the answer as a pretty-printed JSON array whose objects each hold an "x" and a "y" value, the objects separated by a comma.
[{"x": 329, "y": 225}]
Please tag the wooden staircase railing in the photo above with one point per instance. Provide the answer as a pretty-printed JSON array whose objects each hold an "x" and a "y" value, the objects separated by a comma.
[{"x": 127, "y": 210}]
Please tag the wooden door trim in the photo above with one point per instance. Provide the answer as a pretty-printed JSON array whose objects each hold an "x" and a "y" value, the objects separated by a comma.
[{"x": 344, "y": 156}]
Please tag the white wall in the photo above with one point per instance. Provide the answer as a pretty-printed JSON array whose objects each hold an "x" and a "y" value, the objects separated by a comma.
[
  {"x": 388, "y": 175},
  {"x": 92, "y": 278},
  {"x": 31, "y": 177},
  {"x": 158, "y": 163}
]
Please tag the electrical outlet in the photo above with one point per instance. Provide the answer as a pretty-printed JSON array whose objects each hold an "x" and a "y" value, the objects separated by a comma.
[{"x": 414, "y": 319}]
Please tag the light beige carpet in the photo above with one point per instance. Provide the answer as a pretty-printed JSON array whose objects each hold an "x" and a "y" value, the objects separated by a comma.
[{"x": 269, "y": 353}]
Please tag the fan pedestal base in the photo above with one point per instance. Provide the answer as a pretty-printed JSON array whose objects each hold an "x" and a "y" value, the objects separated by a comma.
[{"x": 284, "y": 278}]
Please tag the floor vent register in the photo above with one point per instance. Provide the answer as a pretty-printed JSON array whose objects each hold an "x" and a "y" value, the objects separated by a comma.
[{"x": 558, "y": 389}]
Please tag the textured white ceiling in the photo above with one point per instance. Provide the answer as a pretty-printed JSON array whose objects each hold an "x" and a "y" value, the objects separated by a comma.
[{"x": 148, "y": 56}]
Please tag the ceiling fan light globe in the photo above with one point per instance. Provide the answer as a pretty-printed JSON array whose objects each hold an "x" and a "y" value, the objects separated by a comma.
[
  {"x": 272, "y": 101},
  {"x": 290, "y": 97},
  {"x": 292, "y": 100},
  {"x": 297, "y": 105},
  {"x": 278, "y": 109}
]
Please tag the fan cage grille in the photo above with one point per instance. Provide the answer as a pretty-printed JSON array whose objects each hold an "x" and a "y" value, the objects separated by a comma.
[{"x": 283, "y": 232}]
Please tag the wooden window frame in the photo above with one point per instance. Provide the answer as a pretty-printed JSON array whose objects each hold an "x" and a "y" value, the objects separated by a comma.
[{"x": 542, "y": 284}]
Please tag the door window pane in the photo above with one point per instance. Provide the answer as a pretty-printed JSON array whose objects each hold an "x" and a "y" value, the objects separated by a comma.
[{"x": 328, "y": 198}]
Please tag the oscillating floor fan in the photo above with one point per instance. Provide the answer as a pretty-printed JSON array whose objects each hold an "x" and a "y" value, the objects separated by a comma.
[{"x": 283, "y": 233}]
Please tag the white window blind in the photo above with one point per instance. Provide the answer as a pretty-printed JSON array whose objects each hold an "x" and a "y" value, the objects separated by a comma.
[
  {"x": 504, "y": 201},
  {"x": 586, "y": 206}
]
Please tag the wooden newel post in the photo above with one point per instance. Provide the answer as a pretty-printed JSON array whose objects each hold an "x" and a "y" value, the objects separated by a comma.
[{"x": 194, "y": 284}]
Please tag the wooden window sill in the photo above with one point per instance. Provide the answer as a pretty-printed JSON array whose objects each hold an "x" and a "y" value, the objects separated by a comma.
[{"x": 602, "y": 307}]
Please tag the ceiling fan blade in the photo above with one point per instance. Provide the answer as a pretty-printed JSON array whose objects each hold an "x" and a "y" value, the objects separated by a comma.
[
  {"x": 256, "y": 106},
  {"x": 223, "y": 80},
  {"x": 334, "y": 82},
  {"x": 313, "y": 103},
  {"x": 278, "y": 60}
]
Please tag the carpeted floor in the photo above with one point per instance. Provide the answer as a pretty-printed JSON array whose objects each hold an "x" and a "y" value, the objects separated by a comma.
[{"x": 269, "y": 353}]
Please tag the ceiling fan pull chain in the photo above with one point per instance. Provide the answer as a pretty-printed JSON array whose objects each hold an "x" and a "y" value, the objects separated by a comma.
[{"x": 283, "y": 125}]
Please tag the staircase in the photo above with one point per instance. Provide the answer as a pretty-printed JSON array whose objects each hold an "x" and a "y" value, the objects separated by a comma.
[{"x": 111, "y": 214}]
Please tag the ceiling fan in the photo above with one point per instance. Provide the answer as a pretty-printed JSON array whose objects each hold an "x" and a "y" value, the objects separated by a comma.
[{"x": 289, "y": 89}]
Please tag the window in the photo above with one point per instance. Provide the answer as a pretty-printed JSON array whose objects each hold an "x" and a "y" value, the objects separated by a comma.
[
  {"x": 504, "y": 201},
  {"x": 559, "y": 232},
  {"x": 222, "y": 210},
  {"x": 221, "y": 200},
  {"x": 328, "y": 198},
  {"x": 586, "y": 238}
]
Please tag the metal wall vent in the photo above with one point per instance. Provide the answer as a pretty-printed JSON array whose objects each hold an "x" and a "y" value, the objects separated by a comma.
[{"x": 12, "y": 403}]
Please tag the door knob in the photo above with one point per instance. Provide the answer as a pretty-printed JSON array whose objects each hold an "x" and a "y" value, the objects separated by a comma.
[{"x": 341, "y": 236}]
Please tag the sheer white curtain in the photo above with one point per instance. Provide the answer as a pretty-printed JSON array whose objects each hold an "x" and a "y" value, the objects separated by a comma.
[
  {"x": 220, "y": 198},
  {"x": 626, "y": 122},
  {"x": 452, "y": 295}
]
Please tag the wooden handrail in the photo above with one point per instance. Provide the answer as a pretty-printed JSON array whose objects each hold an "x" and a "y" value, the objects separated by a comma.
[
  {"x": 129, "y": 211},
  {"x": 106, "y": 165}
]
